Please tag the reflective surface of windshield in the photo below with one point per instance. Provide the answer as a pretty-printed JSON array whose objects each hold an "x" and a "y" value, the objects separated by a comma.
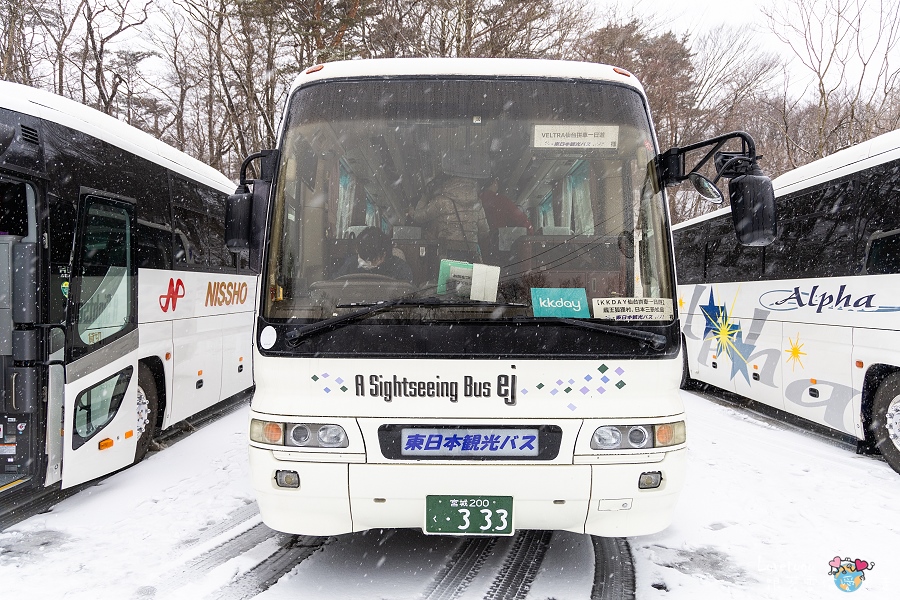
[{"x": 531, "y": 194}]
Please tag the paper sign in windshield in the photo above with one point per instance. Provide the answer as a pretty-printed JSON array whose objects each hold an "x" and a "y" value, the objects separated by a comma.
[
  {"x": 576, "y": 136},
  {"x": 634, "y": 309}
]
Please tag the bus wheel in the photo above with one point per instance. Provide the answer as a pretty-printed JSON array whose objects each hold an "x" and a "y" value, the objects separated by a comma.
[
  {"x": 147, "y": 404},
  {"x": 886, "y": 420}
]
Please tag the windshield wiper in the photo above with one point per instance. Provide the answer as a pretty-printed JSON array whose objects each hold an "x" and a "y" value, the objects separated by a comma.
[
  {"x": 655, "y": 340},
  {"x": 295, "y": 337}
]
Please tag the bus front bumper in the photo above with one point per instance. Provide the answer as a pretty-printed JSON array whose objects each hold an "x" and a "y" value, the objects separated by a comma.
[{"x": 336, "y": 497}]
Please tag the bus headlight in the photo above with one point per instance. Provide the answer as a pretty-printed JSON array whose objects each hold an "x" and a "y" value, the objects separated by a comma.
[
  {"x": 606, "y": 438},
  {"x": 638, "y": 437},
  {"x": 332, "y": 436},
  {"x": 298, "y": 435}
]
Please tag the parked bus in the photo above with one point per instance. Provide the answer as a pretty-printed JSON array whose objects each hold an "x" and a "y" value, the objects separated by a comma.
[
  {"x": 121, "y": 310},
  {"x": 418, "y": 367},
  {"x": 808, "y": 325}
]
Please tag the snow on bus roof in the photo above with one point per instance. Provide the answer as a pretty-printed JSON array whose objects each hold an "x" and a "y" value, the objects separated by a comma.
[
  {"x": 495, "y": 67},
  {"x": 51, "y": 107},
  {"x": 865, "y": 155}
]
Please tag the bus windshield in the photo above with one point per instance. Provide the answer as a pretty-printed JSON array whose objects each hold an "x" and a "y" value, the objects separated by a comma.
[{"x": 529, "y": 198}]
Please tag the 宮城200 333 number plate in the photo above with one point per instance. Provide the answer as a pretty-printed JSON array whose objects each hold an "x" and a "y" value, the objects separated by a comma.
[{"x": 469, "y": 515}]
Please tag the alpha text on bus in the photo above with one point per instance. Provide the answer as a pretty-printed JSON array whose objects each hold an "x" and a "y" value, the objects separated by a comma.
[{"x": 808, "y": 325}]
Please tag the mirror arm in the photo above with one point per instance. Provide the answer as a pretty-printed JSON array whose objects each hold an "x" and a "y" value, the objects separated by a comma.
[
  {"x": 672, "y": 171},
  {"x": 266, "y": 168}
]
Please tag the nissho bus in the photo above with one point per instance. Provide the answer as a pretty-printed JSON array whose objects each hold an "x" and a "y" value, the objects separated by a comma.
[
  {"x": 431, "y": 355},
  {"x": 121, "y": 310},
  {"x": 808, "y": 325}
]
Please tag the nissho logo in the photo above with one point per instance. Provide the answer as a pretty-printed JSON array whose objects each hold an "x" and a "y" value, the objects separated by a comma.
[{"x": 560, "y": 302}]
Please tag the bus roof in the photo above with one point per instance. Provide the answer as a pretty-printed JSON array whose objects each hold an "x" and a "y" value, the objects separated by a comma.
[
  {"x": 867, "y": 154},
  {"x": 51, "y": 107},
  {"x": 493, "y": 67}
]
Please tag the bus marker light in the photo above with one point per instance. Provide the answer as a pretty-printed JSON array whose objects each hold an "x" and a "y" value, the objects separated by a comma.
[
  {"x": 314, "y": 69},
  {"x": 859, "y": 364},
  {"x": 650, "y": 480},
  {"x": 168, "y": 356},
  {"x": 669, "y": 434},
  {"x": 812, "y": 382},
  {"x": 287, "y": 479},
  {"x": 266, "y": 432},
  {"x": 621, "y": 71},
  {"x": 105, "y": 443},
  {"x": 129, "y": 433}
]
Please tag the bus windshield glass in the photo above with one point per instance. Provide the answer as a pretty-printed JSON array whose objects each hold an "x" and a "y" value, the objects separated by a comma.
[{"x": 502, "y": 199}]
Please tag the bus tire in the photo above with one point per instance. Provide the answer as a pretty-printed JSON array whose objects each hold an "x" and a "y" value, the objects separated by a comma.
[
  {"x": 886, "y": 420},
  {"x": 147, "y": 406}
]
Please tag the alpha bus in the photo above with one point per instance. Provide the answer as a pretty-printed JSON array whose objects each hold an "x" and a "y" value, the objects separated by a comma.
[
  {"x": 499, "y": 378},
  {"x": 121, "y": 310},
  {"x": 808, "y": 325}
]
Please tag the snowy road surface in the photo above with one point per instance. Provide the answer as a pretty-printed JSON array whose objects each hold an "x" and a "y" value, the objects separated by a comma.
[{"x": 764, "y": 511}]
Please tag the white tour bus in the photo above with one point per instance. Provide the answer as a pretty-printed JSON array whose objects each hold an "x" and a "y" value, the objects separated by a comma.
[
  {"x": 808, "y": 325},
  {"x": 433, "y": 351},
  {"x": 121, "y": 309}
]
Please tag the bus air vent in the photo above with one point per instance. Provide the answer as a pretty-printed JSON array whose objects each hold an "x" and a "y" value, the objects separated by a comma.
[{"x": 30, "y": 135}]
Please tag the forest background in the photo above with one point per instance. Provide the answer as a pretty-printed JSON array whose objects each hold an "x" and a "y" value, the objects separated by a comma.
[{"x": 210, "y": 77}]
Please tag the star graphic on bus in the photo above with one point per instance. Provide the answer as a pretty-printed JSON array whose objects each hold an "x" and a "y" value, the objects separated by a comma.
[
  {"x": 728, "y": 336},
  {"x": 795, "y": 352}
]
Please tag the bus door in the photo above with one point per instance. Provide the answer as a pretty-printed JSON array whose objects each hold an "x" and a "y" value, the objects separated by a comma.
[
  {"x": 20, "y": 376},
  {"x": 100, "y": 407}
]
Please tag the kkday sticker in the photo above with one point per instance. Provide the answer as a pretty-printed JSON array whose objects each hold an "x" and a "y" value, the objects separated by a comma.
[{"x": 560, "y": 302}]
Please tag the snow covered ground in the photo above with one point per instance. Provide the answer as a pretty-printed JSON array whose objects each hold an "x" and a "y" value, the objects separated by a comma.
[{"x": 764, "y": 512}]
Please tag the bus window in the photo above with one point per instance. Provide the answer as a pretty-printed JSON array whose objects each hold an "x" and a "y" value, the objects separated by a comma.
[
  {"x": 883, "y": 255},
  {"x": 13, "y": 209},
  {"x": 106, "y": 302},
  {"x": 96, "y": 406}
]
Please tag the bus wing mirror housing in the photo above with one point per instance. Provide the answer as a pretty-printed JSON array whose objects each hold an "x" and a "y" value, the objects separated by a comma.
[
  {"x": 246, "y": 211},
  {"x": 753, "y": 209},
  {"x": 751, "y": 193},
  {"x": 237, "y": 219}
]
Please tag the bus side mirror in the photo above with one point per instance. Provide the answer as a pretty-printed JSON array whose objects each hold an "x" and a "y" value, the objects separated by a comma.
[
  {"x": 237, "y": 219},
  {"x": 246, "y": 212},
  {"x": 753, "y": 209}
]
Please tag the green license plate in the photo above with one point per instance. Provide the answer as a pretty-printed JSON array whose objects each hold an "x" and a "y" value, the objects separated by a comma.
[{"x": 469, "y": 515}]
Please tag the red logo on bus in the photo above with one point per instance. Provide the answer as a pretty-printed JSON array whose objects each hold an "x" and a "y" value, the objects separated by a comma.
[{"x": 176, "y": 291}]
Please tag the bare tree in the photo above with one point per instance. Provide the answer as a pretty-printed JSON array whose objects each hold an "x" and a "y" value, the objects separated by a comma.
[
  {"x": 104, "y": 22},
  {"x": 846, "y": 47},
  {"x": 17, "y": 41},
  {"x": 58, "y": 21}
]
